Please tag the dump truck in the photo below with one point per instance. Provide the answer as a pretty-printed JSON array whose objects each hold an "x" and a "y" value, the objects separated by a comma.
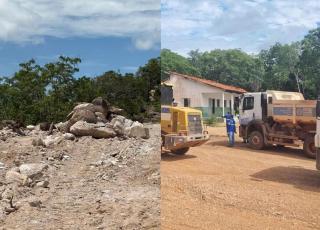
[
  {"x": 278, "y": 118},
  {"x": 317, "y": 136},
  {"x": 181, "y": 127}
]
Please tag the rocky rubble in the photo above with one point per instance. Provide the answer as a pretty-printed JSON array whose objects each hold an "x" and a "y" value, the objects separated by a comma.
[
  {"x": 113, "y": 179},
  {"x": 99, "y": 120},
  {"x": 96, "y": 157}
]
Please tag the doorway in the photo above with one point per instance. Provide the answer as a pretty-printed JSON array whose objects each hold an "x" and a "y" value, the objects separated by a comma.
[{"x": 212, "y": 103}]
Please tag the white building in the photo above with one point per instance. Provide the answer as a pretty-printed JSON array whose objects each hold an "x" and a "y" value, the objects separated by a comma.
[{"x": 213, "y": 98}]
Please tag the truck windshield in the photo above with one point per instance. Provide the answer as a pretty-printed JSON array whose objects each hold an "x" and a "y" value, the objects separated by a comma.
[{"x": 195, "y": 125}]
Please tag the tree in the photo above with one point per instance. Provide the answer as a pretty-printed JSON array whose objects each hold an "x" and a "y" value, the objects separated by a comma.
[
  {"x": 171, "y": 61},
  {"x": 282, "y": 71},
  {"x": 48, "y": 93},
  {"x": 309, "y": 63}
]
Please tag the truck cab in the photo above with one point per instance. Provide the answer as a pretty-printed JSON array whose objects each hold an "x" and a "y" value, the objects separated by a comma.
[
  {"x": 252, "y": 107},
  {"x": 278, "y": 118}
]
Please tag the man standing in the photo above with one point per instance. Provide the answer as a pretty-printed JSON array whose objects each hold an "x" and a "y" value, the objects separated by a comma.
[
  {"x": 227, "y": 117},
  {"x": 231, "y": 130}
]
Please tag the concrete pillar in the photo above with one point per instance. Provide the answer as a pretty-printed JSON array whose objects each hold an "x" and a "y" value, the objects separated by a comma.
[
  {"x": 232, "y": 104},
  {"x": 223, "y": 105}
]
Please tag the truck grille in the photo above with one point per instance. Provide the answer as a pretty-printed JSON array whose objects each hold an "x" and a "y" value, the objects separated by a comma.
[{"x": 195, "y": 126}]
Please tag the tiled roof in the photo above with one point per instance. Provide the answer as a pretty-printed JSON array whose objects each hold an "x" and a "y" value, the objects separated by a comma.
[{"x": 212, "y": 83}]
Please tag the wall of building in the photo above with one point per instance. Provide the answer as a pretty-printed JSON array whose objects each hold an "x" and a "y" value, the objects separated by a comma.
[{"x": 199, "y": 95}]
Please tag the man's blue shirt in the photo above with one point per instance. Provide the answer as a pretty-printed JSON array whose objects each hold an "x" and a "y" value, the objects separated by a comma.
[{"x": 231, "y": 125}]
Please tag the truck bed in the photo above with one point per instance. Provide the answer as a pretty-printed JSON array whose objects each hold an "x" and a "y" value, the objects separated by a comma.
[{"x": 293, "y": 111}]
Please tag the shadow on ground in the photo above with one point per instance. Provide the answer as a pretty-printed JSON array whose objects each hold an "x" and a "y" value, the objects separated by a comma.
[
  {"x": 173, "y": 157},
  {"x": 301, "y": 178},
  {"x": 271, "y": 150}
]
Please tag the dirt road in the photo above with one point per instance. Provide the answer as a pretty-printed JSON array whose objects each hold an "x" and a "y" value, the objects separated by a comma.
[{"x": 217, "y": 187}]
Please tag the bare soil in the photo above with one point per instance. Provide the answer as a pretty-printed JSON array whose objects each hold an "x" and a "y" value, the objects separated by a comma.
[
  {"x": 217, "y": 187},
  {"x": 93, "y": 184}
]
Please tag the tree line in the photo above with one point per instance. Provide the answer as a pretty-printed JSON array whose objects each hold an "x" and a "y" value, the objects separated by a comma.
[
  {"x": 288, "y": 67},
  {"x": 48, "y": 93}
]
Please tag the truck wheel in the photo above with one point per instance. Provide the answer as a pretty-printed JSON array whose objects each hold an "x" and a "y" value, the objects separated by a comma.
[
  {"x": 309, "y": 148},
  {"x": 256, "y": 140},
  {"x": 318, "y": 159},
  {"x": 181, "y": 151}
]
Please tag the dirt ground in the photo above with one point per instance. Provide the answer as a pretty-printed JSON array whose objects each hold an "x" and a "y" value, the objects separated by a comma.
[
  {"x": 218, "y": 187},
  {"x": 93, "y": 184}
]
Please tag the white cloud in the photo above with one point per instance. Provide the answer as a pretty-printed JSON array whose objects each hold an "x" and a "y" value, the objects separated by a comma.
[
  {"x": 31, "y": 20},
  {"x": 251, "y": 25}
]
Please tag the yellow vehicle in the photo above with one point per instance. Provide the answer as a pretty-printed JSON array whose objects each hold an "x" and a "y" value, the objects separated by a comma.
[{"x": 181, "y": 127}]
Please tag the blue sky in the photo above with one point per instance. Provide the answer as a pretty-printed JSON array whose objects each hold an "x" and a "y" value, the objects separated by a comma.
[
  {"x": 106, "y": 35},
  {"x": 250, "y": 25}
]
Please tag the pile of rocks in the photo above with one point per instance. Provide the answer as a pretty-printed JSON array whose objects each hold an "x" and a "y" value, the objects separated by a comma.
[
  {"x": 27, "y": 175},
  {"x": 99, "y": 120},
  {"x": 16, "y": 179}
]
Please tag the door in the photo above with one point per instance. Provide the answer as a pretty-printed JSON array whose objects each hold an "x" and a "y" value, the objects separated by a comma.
[
  {"x": 212, "y": 105},
  {"x": 251, "y": 108},
  {"x": 247, "y": 109}
]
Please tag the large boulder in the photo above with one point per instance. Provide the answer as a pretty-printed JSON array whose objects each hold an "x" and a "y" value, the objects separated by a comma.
[
  {"x": 82, "y": 128},
  {"x": 81, "y": 115},
  {"x": 101, "y": 117},
  {"x": 69, "y": 136},
  {"x": 16, "y": 177},
  {"x": 99, "y": 101},
  {"x": 138, "y": 131},
  {"x": 44, "y": 126},
  {"x": 93, "y": 107},
  {"x": 118, "y": 124},
  {"x": 135, "y": 129},
  {"x": 30, "y": 127},
  {"x": 62, "y": 127},
  {"x": 33, "y": 170},
  {"x": 103, "y": 132}
]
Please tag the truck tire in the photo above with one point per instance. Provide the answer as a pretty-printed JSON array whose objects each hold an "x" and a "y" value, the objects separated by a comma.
[
  {"x": 318, "y": 159},
  {"x": 181, "y": 151},
  {"x": 256, "y": 140},
  {"x": 309, "y": 148}
]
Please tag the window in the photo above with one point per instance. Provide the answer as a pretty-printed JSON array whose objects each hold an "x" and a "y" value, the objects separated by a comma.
[
  {"x": 248, "y": 103},
  {"x": 186, "y": 102},
  {"x": 218, "y": 103},
  {"x": 230, "y": 104},
  {"x": 225, "y": 104}
]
